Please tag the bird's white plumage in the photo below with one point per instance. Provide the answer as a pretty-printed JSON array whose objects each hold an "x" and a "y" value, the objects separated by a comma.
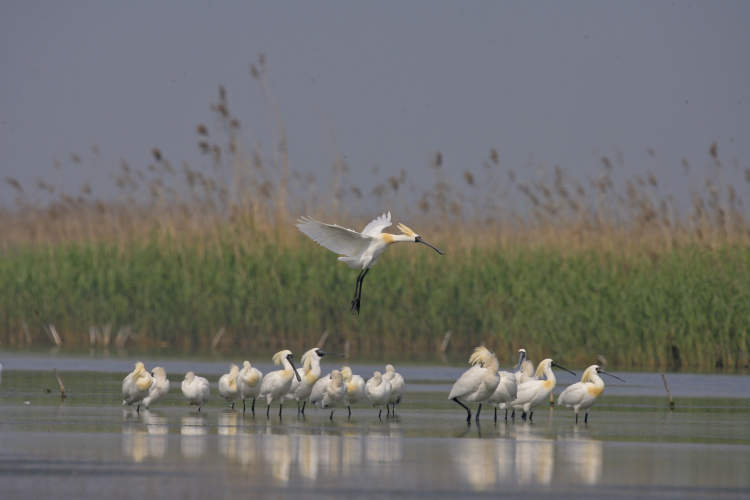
[
  {"x": 477, "y": 383},
  {"x": 335, "y": 238},
  {"x": 195, "y": 389},
  {"x": 249, "y": 380},
  {"x": 228, "y": 388},
  {"x": 378, "y": 390},
  {"x": 334, "y": 391},
  {"x": 583, "y": 394},
  {"x": 376, "y": 226},
  {"x": 535, "y": 391},
  {"x": 309, "y": 373},
  {"x": 276, "y": 384},
  {"x": 397, "y": 383},
  {"x": 318, "y": 389},
  {"x": 506, "y": 389},
  {"x": 355, "y": 386},
  {"x": 159, "y": 387},
  {"x": 136, "y": 384}
]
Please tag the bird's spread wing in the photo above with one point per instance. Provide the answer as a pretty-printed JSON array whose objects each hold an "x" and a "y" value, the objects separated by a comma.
[
  {"x": 376, "y": 226},
  {"x": 335, "y": 238}
]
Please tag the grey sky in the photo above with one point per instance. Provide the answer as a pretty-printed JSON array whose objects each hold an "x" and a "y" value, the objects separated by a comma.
[{"x": 382, "y": 83}]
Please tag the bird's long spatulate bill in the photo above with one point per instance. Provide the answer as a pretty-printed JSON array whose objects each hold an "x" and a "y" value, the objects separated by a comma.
[
  {"x": 294, "y": 369},
  {"x": 420, "y": 240},
  {"x": 563, "y": 368},
  {"x": 611, "y": 375}
]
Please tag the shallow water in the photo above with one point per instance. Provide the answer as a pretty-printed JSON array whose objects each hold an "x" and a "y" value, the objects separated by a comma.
[{"x": 89, "y": 446}]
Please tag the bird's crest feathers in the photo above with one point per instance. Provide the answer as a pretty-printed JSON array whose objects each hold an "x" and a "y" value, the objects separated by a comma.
[
  {"x": 543, "y": 364},
  {"x": 406, "y": 229},
  {"x": 480, "y": 355},
  {"x": 279, "y": 356},
  {"x": 588, "y": 374}
]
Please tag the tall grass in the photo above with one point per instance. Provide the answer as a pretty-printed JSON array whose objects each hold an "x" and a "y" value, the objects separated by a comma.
[{"x": 564, "y": 267}]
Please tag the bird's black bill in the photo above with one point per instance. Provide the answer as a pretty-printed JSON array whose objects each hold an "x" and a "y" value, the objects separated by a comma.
[
  {"x": 611, "y": 375},
  {"x": 521, "y": 359},
  {"x": 294, "y": 368},
  {"x": 419, "y": 239},
  {"x": 563, "y": 368},
  {"x": 320, "y": 353}
]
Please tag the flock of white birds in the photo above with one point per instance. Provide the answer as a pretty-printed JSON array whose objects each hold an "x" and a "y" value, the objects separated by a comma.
[
  {"x": 339, "y": 388},
  {"x": 523, "y": 389}
]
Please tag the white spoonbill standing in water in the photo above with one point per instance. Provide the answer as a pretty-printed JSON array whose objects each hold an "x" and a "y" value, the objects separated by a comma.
[
  {"x": 359, "y": 250},
  {"x": 581, "y": 395}
]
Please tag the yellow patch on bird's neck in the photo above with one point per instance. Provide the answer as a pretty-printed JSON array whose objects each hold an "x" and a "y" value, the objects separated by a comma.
[
  {"x": 549, "y": 384},
  {"x": 594, "y": 390},
  {"x": 253, "y": 378},
  {"x": 310, "y": 378},
  {"x": 387, "y": 237}
]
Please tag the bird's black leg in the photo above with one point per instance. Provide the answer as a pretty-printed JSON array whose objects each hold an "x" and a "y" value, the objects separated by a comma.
[
  {"x": 280, "y": 407},
  {"x": 358, "y": 290},
  {"x": 576, "y": 418},
  {"x": 268, "y": 410},
  {"x": 468, "y": 411},
  {"x": 586, "y": 418},
  {"x": 243, "y": 406},
  {"x": 513, "y": 415},
  {"x": 253, "y": 407},
  {"x": 331, "y": 417},
  {"x": 304, "y": 403},
  {"x": 531, "y": 416},
  {"x": 380, "y": 414},
  {"x": 479, "y": 410},
  {"x": 523, "y": 416},
  {"x": 506, "y": 414},
  {"x": 233, "y": 405},
  {"x": 138, "y": 409},
  {"x": 349, "y": 408},
  {"x": 496, "y": 414}
]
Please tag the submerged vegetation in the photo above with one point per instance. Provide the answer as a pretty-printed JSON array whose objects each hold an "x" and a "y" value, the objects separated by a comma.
[{"x": 207, "y": 257}]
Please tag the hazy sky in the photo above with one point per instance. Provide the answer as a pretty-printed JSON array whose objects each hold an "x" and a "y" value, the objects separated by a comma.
[{"x": 382, "y": 83}]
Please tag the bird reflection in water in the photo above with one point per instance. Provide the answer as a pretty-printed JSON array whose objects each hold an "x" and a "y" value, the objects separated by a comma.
[
  {"x": 277, "y": 450},
  {"x": 584, "y": 457},
  {"x": 535, "y": 456},
  {"x": 193, "y": 436},
  {"x": 143, "y": 441},
  {"x": 475, "y": 461},
  {"x": 227, "y": 431}
]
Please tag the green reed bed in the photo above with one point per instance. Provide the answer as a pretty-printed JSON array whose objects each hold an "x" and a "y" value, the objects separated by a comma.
[{"x": 688, "y": 308}]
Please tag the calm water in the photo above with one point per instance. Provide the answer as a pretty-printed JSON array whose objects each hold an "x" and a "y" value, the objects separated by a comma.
[{"x": 91, "y": 447}]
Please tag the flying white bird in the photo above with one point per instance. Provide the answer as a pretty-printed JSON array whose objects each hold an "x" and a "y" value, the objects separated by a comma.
[
  {"x": 159, "y": 387},
  {"x": 397, "y": 387},
  {"x": 228, "y": 388},
  {"x": 378, "y": 391},
  {"x": 135, "y": 386},
  {"x": 276, "y": 384},
  {"x": 359, "y": 250},
  {"x": 581, "y": 395},
  {"x": 535, "y": 391},
  {"x": 355, "y": 388},
  {"x": 249, "y": 383},
  {"x": 309, "y": 374},
  {"x": 195, "y": 389},
  {"x": 476, "y": 384}
]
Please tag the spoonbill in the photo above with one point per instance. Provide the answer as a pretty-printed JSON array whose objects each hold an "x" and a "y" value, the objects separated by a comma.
[
  {"x": 397, "y": 387},
  {"x": 135, "y": 386},
  {"x": 507, "y": 387},
  {"x": 581, "y": 395},
  {"x": 276, "y": 384},
  {"x": 334, "y": 392},
  {"x": 309, "y": 374},
  {"x": 195, "y": 389},
  {"x": 477, "y": 383},
  {"x": 378, "y": 391},
  {"x": 248, "y": 382},
  {"x": 525, "y": 370},
  {"x": 533, "y": 392},
  {"x": 355, "y": 388},
  {"x": 159, "y": 388},
  {"x": 228, "y": 384},
  {"x": 359, "y": 250}
]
